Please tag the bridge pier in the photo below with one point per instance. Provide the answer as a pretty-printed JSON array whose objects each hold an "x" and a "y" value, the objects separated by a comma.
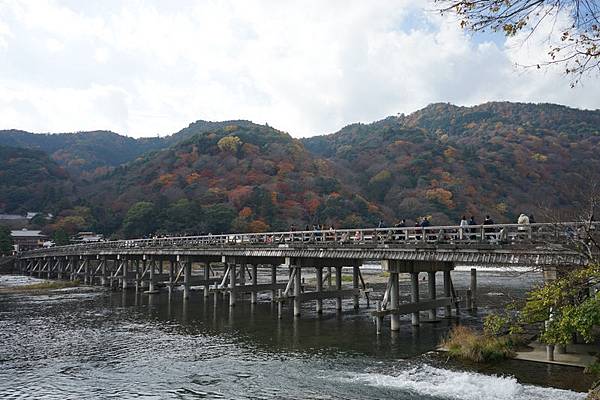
[
  {"x": 126, "y": 262},
  {"x": 447, "y": 293},
  {"x": 355, "y": 273},
  {"x": 319, "y": 289},
  {"x": 414, "y": 296},
  {"x": 206, "y": 279},
  {"x": 138, "y": 276},
  {"x": 274, "y": 292},
  {"x": 473, "y": 289},
  {"x": 338, "y": 287},
  {"x": 171, "y": 275},
  {"x": 232, "y": 283},
  {"x": 187, "y": 277},
  {"x": 394, "y": 290},
  {"x": 151, "y": 279},
  {"x": 254, "y": 283},
  {"x": 297, "y": 289},
  {"x": 432, "y": 295},
  {"x": 390, "y": 305},
  {"x": 104, "y": 268}
]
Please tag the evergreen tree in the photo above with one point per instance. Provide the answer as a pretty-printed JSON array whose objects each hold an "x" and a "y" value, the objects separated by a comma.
[{"x": 6, "y": 242}]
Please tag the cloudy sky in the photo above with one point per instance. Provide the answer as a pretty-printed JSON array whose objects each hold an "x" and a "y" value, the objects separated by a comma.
[{"x": 144, "y": 68}]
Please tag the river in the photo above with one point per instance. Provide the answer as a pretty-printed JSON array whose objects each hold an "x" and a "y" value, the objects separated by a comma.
[{"x": 90, "y": 343}]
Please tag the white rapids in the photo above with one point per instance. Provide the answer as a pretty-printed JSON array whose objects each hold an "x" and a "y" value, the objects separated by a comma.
[{"x": 441, "y": 383}]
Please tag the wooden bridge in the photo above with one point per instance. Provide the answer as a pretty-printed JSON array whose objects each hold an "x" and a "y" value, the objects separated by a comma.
[{"x": 220, "y": 264}]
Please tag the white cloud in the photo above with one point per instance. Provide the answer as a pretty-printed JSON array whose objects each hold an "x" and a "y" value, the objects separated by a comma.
[{"x": 143, "y": 68}]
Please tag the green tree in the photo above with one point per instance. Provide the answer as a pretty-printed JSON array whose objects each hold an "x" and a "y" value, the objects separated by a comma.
[
  {"x": 380, "y": 184},
  {"x": 183, "y": 216},
  {"x": 230, "y": 144},
  {"x": 140, "y": 220},
  {"x": 6, "y": 242},
  {"x": 218, "y": 218},
  {"x": 61, "y": 238}
]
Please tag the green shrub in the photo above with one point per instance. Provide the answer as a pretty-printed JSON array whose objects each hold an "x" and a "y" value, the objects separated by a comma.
[{"x": 468, "y": 344}]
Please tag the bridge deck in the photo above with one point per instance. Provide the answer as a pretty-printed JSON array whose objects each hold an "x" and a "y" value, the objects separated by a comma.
[{"x": 507, "y": 244}]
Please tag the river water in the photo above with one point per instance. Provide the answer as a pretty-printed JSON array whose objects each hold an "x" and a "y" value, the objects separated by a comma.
[{"x": 97, "y": 344}]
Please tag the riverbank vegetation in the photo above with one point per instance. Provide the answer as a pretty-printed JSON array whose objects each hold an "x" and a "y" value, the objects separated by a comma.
[
  {"x": 40, "y": 286},
  {"x": 468, "y": 344}
]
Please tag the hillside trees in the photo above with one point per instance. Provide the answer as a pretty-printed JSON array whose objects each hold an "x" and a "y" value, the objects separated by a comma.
[
  {"x": 444, "y": 161},
  {"x": 182, "y": 217},
  {"x": 140, "y": 220}
]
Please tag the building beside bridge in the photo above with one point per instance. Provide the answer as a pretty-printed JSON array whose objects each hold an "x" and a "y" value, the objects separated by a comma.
[{"x": 26, "y": 239}]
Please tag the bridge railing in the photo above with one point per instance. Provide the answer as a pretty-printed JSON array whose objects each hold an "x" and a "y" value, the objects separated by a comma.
[{"x": 500, "y": 234}]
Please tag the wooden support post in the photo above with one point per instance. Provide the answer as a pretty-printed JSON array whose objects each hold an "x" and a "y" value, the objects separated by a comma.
[
  {"x": 254, "y": 283},
  {"x": 297, "y": 290},
  {"x": 160, "y": 266},
  {"x": 103, "y": 269},
  {"x": 414, "y": 296},
  {"x": 187, "y": 278},
  {"x": 473, "y": 289},
  {"x": 273, "y": 280},
  {"x": 59, "y": 272},
  {"x": 151, "y": 287},
  {"x": 171, "y": 275},
  {"x": 394, "y": 300},
  {"x": 138, "y": 277},
  {"x": 232, "y": 281},
  {"x": 124, "y": 273},
  {"x": 319, "y": 289},
  {"x": 338, "y": 286},
  {"x": 49, "y": 268},
  {"x": 206, "y": 279},
  {"x": 468, "y": 298},
  {"x": 432, "y": 295},
  {"x": 84, "y": 262},
  {"x": 242, "y": 274},
  {"x": 447, "y": 293},
  {"x": 355, "y": 285},
  {"x": 279, "y": 304},
  {"x": 379, "y": 319},
  {"x": 329, "y": 277},
  {"x": 74, "y": 268}
]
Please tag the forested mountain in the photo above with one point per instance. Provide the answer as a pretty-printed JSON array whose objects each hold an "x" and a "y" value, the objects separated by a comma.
[
  {"x": 89, "y": 154},
  {"x": 442, "y": 161},
  {"x": 83, "y": 153},
  {"x": 246, "y": 178},
  {"x": 30, "y": 181},
  {"x": 497, "y": 158}
]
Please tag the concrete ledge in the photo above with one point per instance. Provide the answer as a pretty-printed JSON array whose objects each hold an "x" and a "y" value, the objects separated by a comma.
[{"x": 577, "y": 355}]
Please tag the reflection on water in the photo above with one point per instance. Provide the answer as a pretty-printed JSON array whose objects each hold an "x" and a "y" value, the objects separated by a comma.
[{"x": 101, "y": 344}]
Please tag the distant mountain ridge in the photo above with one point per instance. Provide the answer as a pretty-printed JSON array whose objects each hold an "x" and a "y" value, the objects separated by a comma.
[
  {"x": 442, "y": 161},
  {"x": 31, "y": 181},
  {"x": 95, "y": 152}
]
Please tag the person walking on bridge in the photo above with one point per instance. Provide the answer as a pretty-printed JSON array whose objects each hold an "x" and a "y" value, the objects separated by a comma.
[
  {"x": 424, "y": 224},
  {"x": 473, "y": 234},
  {"x": 524, "y": 229},
  {"x": 401, "y": 234},
  {"x": 488, "y": 232},
  {"x": 463, "y": 226}
]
